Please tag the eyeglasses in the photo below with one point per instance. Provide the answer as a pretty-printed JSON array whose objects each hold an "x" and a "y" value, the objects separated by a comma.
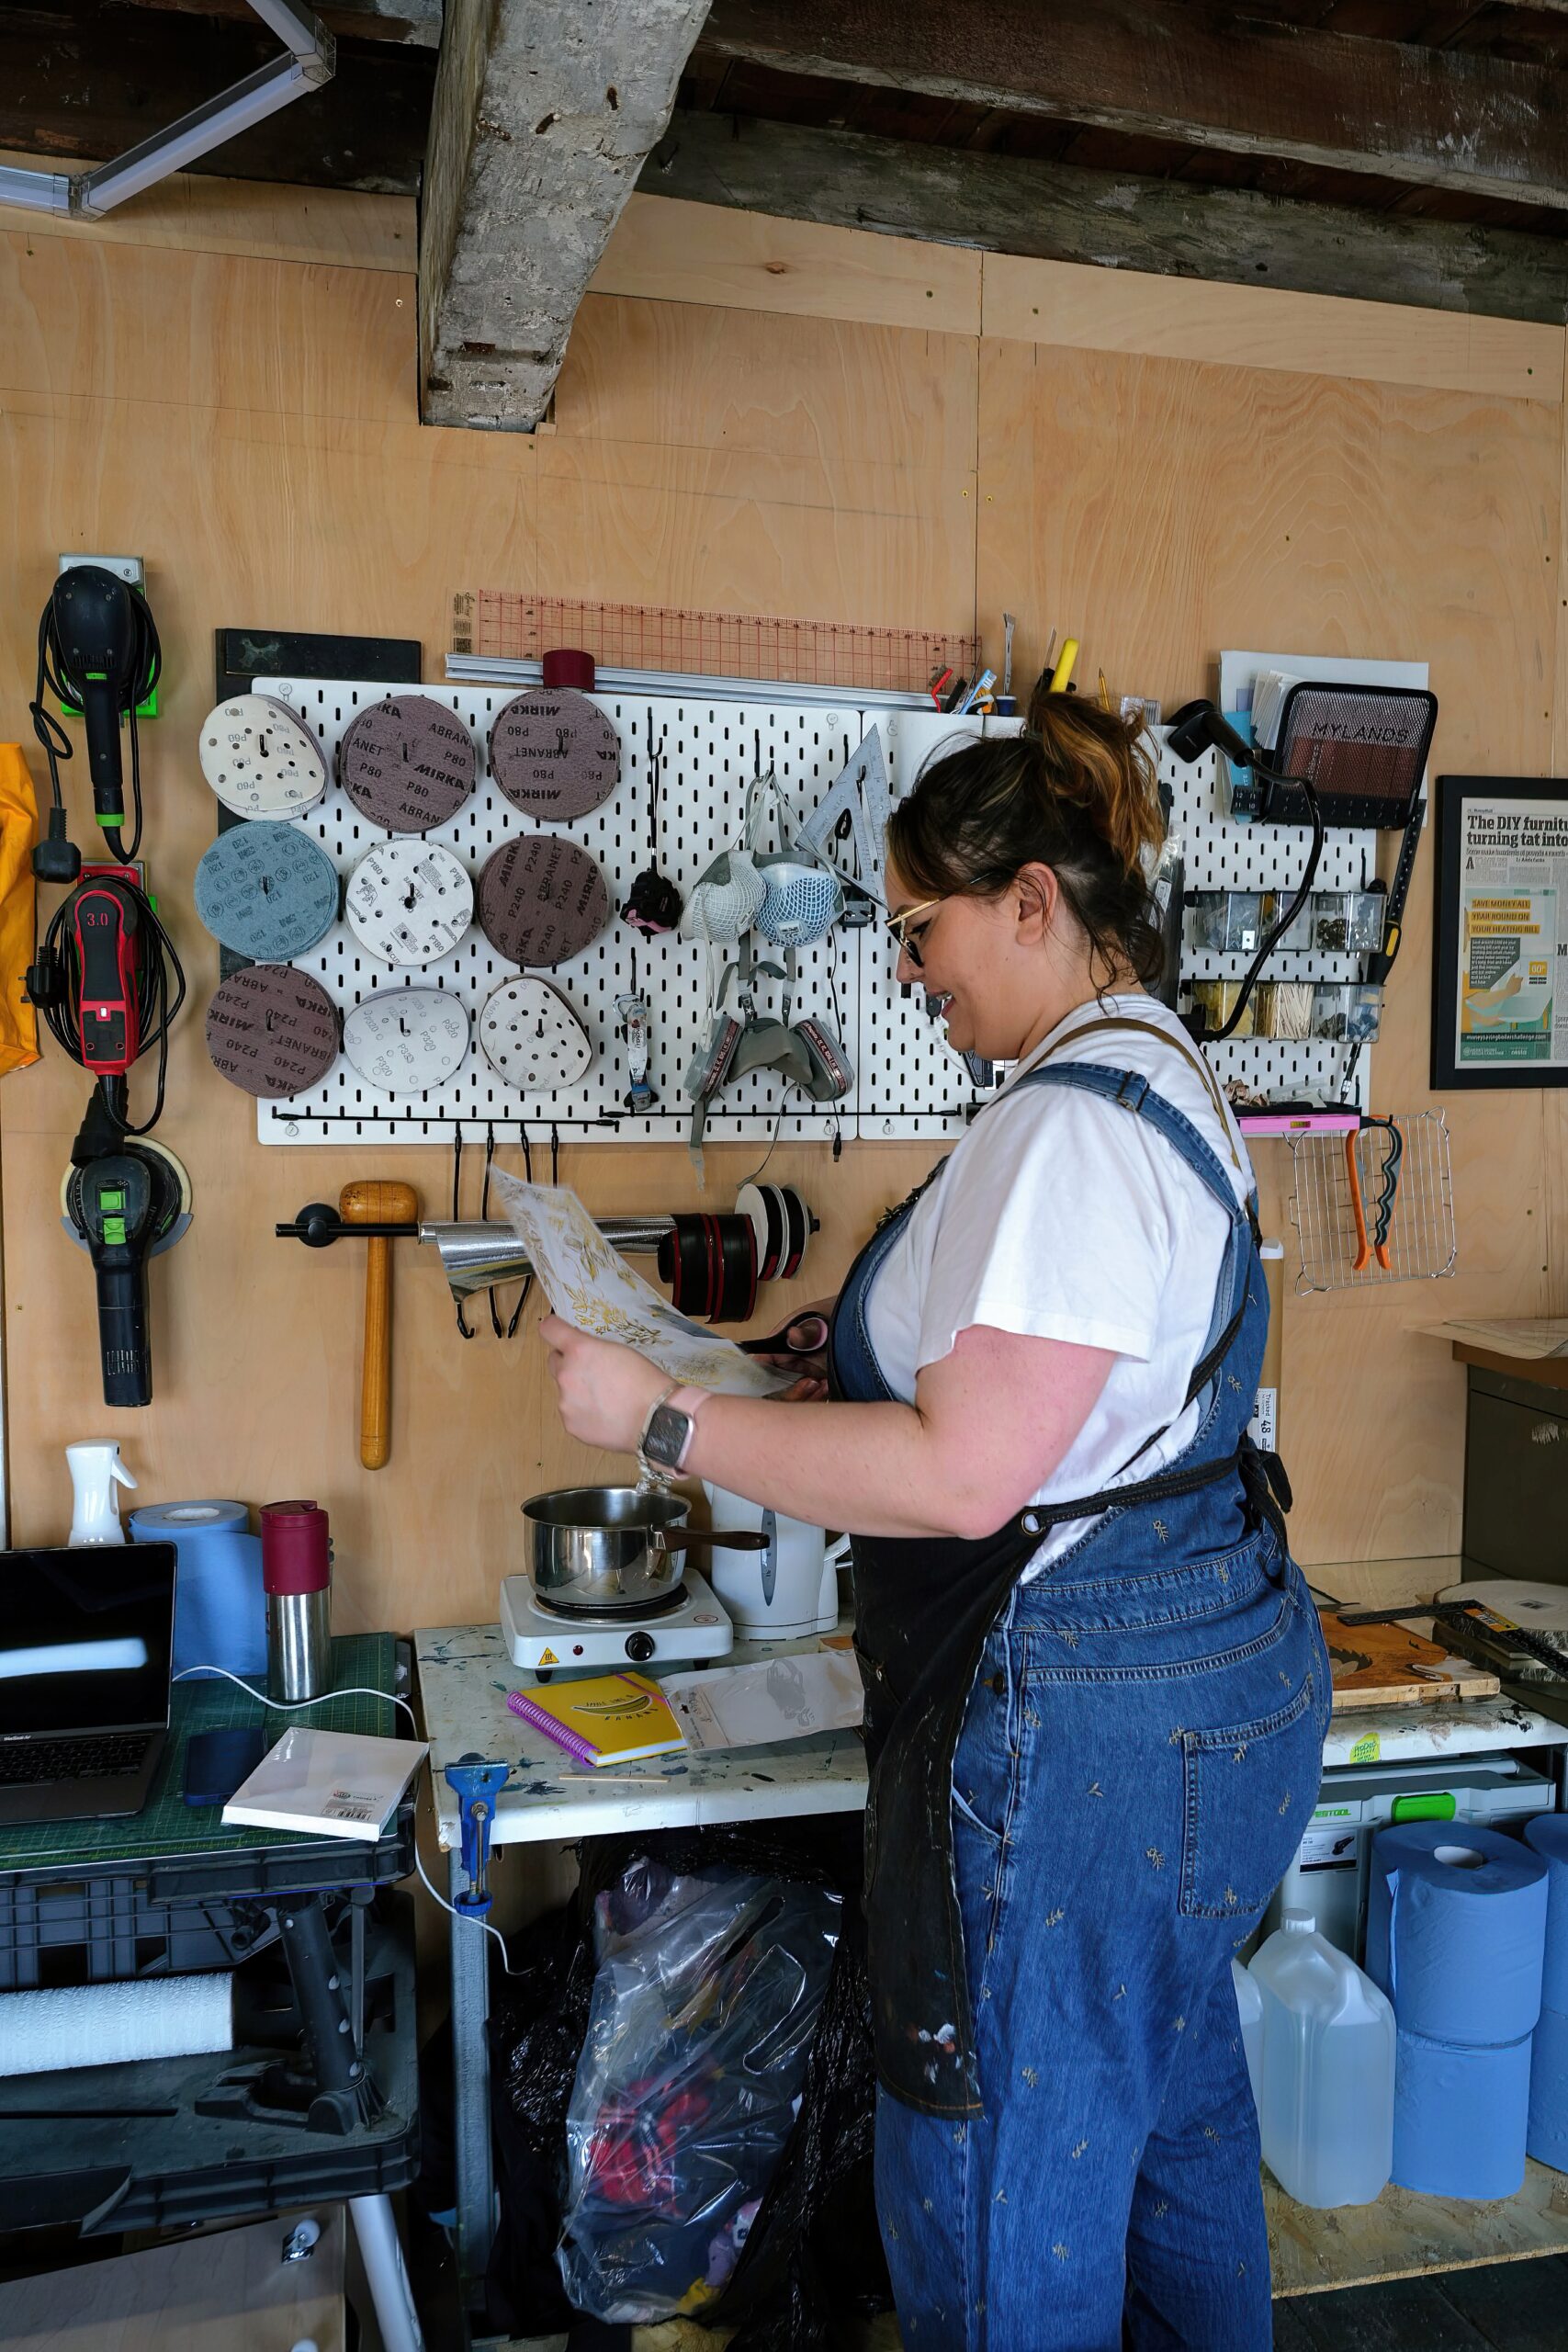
[{"x": 908, "y": 942}]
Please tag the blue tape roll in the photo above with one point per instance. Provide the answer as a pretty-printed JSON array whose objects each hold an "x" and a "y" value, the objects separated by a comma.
[
  {"x": 1457, "y": 1945},
  {"x": 1547, "y": 1834},
  {"x": 219, "y": 1608},
  {"x": 1546, "y": 2139},
  {"x": 267, "y": 891},
  {"x": 1461, "y": 2117}
]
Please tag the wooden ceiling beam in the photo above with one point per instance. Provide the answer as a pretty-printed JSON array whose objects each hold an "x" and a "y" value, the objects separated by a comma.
[
  {"x": 414, "y": 22},
  {"x": 1061, "y": 212},
  {"x": 1201, "y": 75},
  {"x": 545, "y": 112}
]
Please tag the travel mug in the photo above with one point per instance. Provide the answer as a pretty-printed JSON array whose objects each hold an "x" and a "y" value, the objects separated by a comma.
[{"x": 296, "y": 1575}]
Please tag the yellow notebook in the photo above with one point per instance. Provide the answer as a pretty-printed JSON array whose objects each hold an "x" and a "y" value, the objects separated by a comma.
[{"x": 607, "y": 1719}]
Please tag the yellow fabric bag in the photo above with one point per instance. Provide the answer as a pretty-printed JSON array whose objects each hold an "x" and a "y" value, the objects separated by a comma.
[{"x": 18, "y": 909}]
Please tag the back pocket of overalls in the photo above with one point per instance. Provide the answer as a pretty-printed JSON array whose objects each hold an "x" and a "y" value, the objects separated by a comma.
[{"x": 1249, "y": 1791}]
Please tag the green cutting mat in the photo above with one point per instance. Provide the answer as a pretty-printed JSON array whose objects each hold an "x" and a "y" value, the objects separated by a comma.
[{"x": 167, "y": 1826}]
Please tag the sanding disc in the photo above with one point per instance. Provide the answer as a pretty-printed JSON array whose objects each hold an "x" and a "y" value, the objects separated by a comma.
[
  {"x": 267, "y": 891},
  {"x": 533, "y": 1038},
  {"x": 542, "y": 898},
  {"x": 553, "y": 754},
  {"x": 407, "y": 763},
  {"x": 260, "y": 757},
  {"x": 272, "y": 1031},
  {"x": 408, "y": 901},
  {"x": 406, "y": 1040}
]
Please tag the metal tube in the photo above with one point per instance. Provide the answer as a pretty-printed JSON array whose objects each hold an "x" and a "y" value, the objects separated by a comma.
[
  {"x": 475, "y": 1256},
  {"x": 35, "y": 191}
]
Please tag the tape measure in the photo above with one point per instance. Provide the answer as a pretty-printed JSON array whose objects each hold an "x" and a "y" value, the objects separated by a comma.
[
  {"x": 272, "y": 1031},
  {"x": 405, "y": 1040},
  {"x": 553, "y": 754},
  {"x": 267, "y": 891},
  {"x": 407, "y": 763},
  {"x": 542, "y": 899},
  {"x": 260, "y": 758},
  {"x": 409, "y": 902},
  {"x": 533, "y": 1038}
]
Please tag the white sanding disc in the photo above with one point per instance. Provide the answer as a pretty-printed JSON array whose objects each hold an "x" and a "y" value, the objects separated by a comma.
[
  {"x": 533, "y": 1038},
  {"x": 405, "y": 1040},
  {"x": 408, "y": 901},
  {"x": 260, "y": 757}
]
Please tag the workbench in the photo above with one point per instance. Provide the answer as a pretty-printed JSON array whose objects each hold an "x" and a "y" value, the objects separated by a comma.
[{"x": 465, "y": 1675}]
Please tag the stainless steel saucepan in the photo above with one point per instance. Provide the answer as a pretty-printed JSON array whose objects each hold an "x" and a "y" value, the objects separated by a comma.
[{"x": 613, "y": 1548}]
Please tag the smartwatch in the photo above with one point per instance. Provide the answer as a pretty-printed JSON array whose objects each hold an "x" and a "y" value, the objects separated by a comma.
[{"x": 666, "y": 1437}]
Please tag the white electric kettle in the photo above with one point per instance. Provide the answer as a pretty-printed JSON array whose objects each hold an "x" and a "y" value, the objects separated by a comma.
[{"x": 783, "y": 1592}]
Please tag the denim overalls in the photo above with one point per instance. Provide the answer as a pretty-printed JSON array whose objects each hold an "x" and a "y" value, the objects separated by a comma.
[{"x": 1084, "y": 1791}]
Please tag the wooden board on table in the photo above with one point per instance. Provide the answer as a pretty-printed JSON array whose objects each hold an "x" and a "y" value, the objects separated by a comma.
[
  {"x": 231, "y": 2292},
  {"x": 1390, "y": 1665},
  {"x": 1402, "y": 2235}
]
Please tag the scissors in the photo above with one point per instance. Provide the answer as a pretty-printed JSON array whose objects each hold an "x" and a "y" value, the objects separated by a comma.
[{"x": 789, "y": 1341}]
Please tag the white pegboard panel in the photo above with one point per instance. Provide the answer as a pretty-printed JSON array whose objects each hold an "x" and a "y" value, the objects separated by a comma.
[
  {"x": 708, "y": 753},
  {"x": 1223, "y": 855}
]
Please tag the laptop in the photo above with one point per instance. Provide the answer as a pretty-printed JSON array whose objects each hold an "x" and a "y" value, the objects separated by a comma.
[{"x": 86, "y": 1639}]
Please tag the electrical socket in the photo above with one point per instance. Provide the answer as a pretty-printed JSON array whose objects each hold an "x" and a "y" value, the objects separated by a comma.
[{"x": 129, "y": 568}]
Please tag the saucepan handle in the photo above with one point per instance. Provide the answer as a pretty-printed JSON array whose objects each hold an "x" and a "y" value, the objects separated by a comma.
[{"x": 683, "y": 1539}]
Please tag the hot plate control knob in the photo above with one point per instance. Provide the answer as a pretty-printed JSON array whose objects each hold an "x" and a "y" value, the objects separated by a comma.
[{"x": 639, "y": 1647}]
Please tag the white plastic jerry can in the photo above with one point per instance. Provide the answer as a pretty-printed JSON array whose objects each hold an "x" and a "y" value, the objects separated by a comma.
[{"x": 1326, "y": 2103}]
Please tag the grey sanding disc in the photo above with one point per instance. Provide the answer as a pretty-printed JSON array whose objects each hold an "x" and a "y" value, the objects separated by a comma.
[
  {"x": 542, "y": 898},
  {"x": 553, "y": 754},
  {"x": 267, "y": 891},
  {"x": 407, "y": 763},
  {"x": 272, "y": 1031}
]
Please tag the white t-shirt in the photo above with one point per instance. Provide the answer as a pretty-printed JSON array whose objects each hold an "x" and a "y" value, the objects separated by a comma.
[{"x": 1061, "y": 1216}]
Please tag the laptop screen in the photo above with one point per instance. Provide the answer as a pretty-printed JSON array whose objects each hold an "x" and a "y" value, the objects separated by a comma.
[{"x": 86, "y": 1638}]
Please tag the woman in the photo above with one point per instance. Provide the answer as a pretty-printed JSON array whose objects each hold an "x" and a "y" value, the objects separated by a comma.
[{"x": 1095, "y": 1690}]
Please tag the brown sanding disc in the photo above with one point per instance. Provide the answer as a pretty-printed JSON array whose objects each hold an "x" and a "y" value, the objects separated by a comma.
[
  {"x": 272, "y": 1031},
  {"x": 407, "y": 763},
  {"x": 553, "y": 754},
  {"x": 542, "y": 898}
]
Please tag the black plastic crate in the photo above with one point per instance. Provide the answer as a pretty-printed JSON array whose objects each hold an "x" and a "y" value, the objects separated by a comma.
[{"x": 113, "y": 2148}]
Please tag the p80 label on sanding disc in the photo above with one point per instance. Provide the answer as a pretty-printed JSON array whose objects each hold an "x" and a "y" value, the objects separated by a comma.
[
  {"x": 408, "y": 901},
  {"x": 267, "y": 891},
  {"x": 407, "y": 763},
  {"x": 553, "y": 754},
  {"x": 272, "y": 1031},
  {"x": 260, "y": 757},
  {"x": 542, "y": 898},
  {"x": 407, "y": 1040}
]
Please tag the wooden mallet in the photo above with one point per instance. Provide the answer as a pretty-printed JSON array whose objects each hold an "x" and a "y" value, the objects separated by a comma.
[{"x": 377, "y": 1203}]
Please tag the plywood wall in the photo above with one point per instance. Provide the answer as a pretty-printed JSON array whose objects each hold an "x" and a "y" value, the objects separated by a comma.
[{"x": 780, "y": 420}]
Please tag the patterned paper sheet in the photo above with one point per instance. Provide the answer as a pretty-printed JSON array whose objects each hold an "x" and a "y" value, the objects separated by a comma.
[{"x": 590, "y": 1285}]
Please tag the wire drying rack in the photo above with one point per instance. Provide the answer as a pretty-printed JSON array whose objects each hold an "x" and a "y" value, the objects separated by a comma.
[{"x": 1421, "y": 1241}]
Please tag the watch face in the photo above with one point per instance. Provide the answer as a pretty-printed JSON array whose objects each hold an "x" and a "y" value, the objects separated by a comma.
[{"x": 666, "y": 1436}]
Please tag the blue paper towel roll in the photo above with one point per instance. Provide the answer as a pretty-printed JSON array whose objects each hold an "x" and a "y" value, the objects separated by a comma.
[
  {"x": 1461, "y": 2117},
  {"x": 219, "y": 1608},
  {"x": 1456, "y": 1929},
  {"x": 1548, "y": 2137},
  {"x": 1548, "y": 1834}
]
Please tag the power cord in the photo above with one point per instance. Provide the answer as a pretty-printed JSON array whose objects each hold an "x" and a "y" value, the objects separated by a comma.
[{"x": 361, "y": 1690}]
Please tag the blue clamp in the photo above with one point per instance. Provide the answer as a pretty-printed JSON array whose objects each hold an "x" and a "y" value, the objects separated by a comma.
[{"x": 476, "y": 1785}]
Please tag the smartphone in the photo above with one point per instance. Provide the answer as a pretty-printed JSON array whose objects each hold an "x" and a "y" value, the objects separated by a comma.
[{"x": 217, "y": 1761}]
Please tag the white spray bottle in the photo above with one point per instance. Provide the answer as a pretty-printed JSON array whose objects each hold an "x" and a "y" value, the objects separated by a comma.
[{"x": 95, "y": 1471}]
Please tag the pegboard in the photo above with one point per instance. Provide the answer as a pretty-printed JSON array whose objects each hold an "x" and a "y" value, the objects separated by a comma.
[
  {"x": 908, "y": 1084},
  {"x": 1223, "y": 855},
  {"x": 707, "y": 755}
]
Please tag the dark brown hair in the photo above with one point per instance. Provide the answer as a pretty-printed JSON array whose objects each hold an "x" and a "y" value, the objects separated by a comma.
[{"x": 1076, "y": 791}]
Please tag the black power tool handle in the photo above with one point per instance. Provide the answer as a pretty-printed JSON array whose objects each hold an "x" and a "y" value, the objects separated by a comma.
[{"x": 124, "y": 1342}]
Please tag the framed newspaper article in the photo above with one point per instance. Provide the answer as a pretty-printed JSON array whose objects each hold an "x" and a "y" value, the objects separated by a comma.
[{"x": 1500, "y": 946}]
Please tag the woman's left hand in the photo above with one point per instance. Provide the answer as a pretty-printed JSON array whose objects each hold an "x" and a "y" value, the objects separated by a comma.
[{"x": 606, "y": 1389}]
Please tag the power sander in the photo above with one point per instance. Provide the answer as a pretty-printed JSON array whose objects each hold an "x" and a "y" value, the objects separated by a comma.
[{"x": 123, "y": 1199}]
